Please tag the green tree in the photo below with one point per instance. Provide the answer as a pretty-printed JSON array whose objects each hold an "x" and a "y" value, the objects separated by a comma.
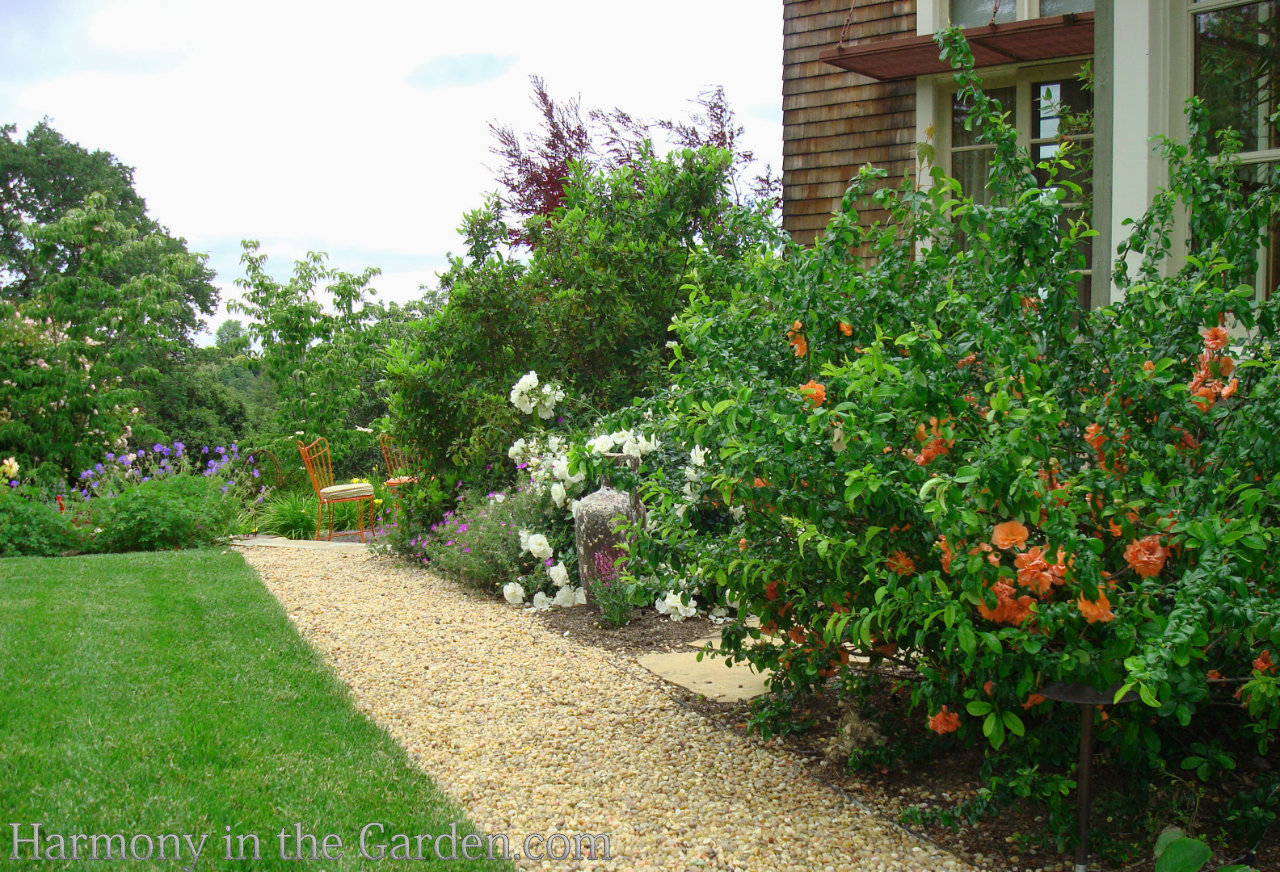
[
  {"x": 68, "y": 341},
  {"x": 42, "y": 178}
]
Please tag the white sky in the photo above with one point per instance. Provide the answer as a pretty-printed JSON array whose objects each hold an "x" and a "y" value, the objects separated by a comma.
[{"x": 358, "y": 128}]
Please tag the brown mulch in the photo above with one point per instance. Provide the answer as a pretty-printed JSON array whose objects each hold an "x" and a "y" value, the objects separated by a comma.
[{"x": 1005, "y": 843}]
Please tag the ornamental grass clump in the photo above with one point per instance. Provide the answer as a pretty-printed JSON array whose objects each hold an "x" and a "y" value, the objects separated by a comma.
[{"x": 933, "y": 457}]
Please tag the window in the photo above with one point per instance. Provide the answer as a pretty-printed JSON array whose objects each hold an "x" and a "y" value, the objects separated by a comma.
[
  {"x": 1236, "y": 70},
  {"x": 977, "y": 13},
  {"x": 1039, "y": 101}
]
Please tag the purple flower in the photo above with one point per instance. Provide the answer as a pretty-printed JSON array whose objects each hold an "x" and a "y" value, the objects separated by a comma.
[
  {"x": 459, "y": 484},
  {"x": 466, "y": 550},
  {"x": 204, "y": 449},
  {"x": 255, "y": 473},
  {"x": 111, "y": 455},
  {"x": 98, "y": 467},
  {"x": 86, "y": 474},
  {"x": 462, "y": 528},
  {"x": 521, "y": 465},
  {"x": 142, "y": 453},
  {"x": 225, "y": 488},
  {"x": 144, "y": 478},
  {"x": 548, "y": 562},
  {"x": 447, "y": 544},
  {"x": 13, "y": 484}
]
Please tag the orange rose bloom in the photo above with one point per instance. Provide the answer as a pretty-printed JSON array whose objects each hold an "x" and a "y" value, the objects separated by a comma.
[
  {"x": 1148, "y": 366},
  {"x": 1146, "y": 556},
  {"x": 900, "y": 563},
  {"x": 1032, "y": 701},
  {"x": 1213, "y": 675},
  {"x": 816, "y": 393},
  {"x": 1215, "y": 338},
  {"x": 1263, "y": 663},
  {"x": 1008, "y": 535},
  {"x": 1093, "y": 435},
  {"x": 968, "y": 359},
  {"x": 846, "y": 329},
  {"x": 944, "y": 722},
  {"x": 795, "y": 338},
  {"x": 1098, "y": 611},
  {"x": 986, "y": 687}
]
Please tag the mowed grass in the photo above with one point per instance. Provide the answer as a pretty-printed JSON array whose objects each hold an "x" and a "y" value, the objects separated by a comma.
[{"x": 168, "y": 694}]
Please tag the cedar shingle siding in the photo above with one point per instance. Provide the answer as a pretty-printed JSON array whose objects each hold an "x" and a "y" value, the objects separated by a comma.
[{"x": 833, "y": 121}]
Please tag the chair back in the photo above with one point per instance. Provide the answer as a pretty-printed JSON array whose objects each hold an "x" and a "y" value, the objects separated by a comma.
[
  {"x": 315, "y": 457},
  {"x": 393, "y": 455}
]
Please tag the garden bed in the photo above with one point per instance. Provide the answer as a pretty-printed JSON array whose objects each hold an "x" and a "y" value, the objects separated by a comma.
[{"x": 1014, "y": 839}]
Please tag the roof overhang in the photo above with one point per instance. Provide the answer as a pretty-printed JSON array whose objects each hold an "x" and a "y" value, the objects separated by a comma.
[{"x": 1040, "y": 39}]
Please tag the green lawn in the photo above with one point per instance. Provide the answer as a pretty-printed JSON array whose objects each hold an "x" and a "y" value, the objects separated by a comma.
[{"x": 167, "y": 694}]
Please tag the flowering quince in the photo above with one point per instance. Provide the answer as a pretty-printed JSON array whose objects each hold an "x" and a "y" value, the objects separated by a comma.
[
  {"x": 1098, "y": 612},
  {"x": 513, "y": 592},
  {"x": 944, "y": 722},
  {"x": 795, "y": 338},
  {"x": 541, "y": 601},
  {"x": 1263, "y": 663},
  {"x": 814, "y": 392},
  {"x": 1009, "y": 534},
  {"x": 900, "y": 563},
  {"x": 559, "y": 574},
  {"x": 1146, "y": 556}
]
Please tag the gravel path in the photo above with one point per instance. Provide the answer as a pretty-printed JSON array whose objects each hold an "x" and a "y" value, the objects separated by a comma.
[{"x": 533, "y": 733}]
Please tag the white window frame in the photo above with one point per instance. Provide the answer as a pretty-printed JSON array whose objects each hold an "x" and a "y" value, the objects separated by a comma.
[
  {"x": 1181, "y": 55},
  {"x": 931, "y": 16}
]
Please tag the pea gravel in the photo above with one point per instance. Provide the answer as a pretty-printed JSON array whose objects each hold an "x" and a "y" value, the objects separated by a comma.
[{"x": 534, "y": 733}]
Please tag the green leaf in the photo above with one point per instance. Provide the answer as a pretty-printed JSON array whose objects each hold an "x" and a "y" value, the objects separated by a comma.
[
  {"x": 978, "y": 708},
  {"x": 968, "y": 642},
  {"x": 1184, "y": 855},
  {"x": 1014, "y": 723}
]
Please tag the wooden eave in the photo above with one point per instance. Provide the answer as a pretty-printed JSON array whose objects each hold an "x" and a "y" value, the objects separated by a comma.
[{"x": 1040, "y": 39}]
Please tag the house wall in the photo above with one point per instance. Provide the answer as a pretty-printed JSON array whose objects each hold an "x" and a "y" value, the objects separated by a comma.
[{"x": 834, "y": 122}]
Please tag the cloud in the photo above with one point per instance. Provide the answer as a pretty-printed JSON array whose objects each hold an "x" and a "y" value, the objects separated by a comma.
[{"x": 459, "y": 71}]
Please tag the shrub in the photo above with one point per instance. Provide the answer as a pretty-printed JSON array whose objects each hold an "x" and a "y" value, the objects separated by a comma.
[
  {"x": 175, "y": 512},
  {"x": 30, "y": 526},
  {"x": 936, "y": 458}
]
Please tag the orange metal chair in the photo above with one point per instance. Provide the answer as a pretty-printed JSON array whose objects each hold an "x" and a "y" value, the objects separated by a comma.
[
  {"x": 320, "y": 468},
  {"x": 399, "y": 470}
]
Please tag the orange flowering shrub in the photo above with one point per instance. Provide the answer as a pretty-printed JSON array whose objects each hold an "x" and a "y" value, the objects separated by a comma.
[{"x": 1052, "y": 510}]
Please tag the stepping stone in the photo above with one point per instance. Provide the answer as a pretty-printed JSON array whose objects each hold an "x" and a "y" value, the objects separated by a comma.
[{"x": 709, "y": 677}]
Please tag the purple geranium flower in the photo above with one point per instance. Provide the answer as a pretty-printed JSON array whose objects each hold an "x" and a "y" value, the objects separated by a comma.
[{"x": 462, "y": 528}]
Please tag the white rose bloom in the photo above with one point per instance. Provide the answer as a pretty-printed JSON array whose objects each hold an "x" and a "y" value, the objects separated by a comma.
[
  {"x": 545, "y": 412},
  {"x": 524, "y": 540},
  {"x": 517, "y": 448},
  {"x": 564, "y": 598},
  {"x": 687, "y": 490},
  {"x": 559, "y": 574},
  {"x": 738, "y": 512},
  {"x": 513, "y": 592},
  {"x": 556, "y": 445},
  {"x": 698, "y": 456},
  {"x": 539, "y": 547},
  {"x": 680, "y": 511},
  {"x": 10, "y": 467},
  {"x": 631, "y": 447},
  {"x": 579, "y": 596},
  {"x": 691, "y": 474},
  {"x": 558, "y": 496},
  {"x": 602, "y": 444},
  {"x": 541, "y": 601}
]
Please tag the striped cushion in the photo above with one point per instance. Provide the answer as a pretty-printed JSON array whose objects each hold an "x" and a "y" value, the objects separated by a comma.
[{"x": 346, "y": 491}]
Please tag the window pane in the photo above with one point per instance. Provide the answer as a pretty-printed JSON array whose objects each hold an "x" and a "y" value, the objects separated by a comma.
[
  {"x": 1237, "y": 67},
  {"x": 1062, "y": 7},
  {"x": 971, "y": 169},
  {"x": 1059, "y": 108},
  {"x": 976, "y": 13},
  {"x": 1006, "y": 97},
  {"x": 1254, "y": 177}
]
